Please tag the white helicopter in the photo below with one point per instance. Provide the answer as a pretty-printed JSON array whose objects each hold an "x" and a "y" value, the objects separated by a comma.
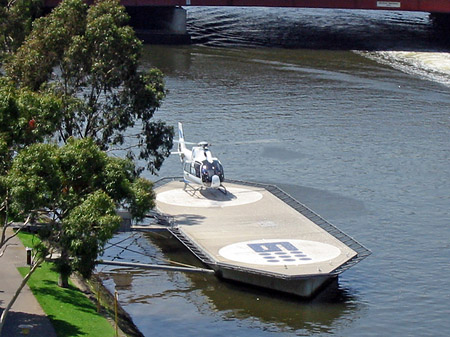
[{"x": 200, "y": 168}]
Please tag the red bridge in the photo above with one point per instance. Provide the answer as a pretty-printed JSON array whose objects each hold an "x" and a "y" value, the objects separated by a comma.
[
  {"x": 164, "y": 21},
  {"x": 432, "y": 6}
]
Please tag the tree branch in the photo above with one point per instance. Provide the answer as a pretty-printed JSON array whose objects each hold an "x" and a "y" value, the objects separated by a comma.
[
  {"x": 4, "y": 239},
  {"x": 22, "y": 285},
  {"x": 10, "y": 4},
  {"x": 123, "y": 148}
]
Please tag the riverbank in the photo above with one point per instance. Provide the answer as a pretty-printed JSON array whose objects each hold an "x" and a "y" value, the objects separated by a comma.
[
  {"x": 95, "y": 290},
  {"x": 60, "y": 312},
  {"x": 26, "y": 310}
]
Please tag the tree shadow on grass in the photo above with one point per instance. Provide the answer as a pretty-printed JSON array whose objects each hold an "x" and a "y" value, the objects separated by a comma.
[
  {"x": 71, "y": 296},
  {"x": 66, "y": 329},
  {"x": 41, "y": 325}
]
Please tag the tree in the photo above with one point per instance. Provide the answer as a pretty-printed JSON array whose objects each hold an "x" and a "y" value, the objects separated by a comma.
[
  {"x": 79, "y": 187},
  {"x": 89, "y": 57},
  {"x": 78, "y": 73},
  {"x": 16, "y": 17},
  {"x": 37, "y": 262},
  {"x": 26, "y": 117}
]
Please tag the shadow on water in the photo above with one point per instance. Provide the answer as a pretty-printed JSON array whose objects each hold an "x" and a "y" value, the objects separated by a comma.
[
  {"x": 334, "y": 306},
  {"x": 237, "y": 301},
  {"x": 315, "y": 29}
]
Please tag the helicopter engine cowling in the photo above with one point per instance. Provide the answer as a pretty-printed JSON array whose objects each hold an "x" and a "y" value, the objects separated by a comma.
[{"x": 215, "y": 181}]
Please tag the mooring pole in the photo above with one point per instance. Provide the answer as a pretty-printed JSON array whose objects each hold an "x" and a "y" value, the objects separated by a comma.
[{"x": 116, "y": 299}]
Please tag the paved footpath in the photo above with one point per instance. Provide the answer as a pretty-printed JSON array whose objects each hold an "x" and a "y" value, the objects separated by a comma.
[{"x": 26, "y": 310}]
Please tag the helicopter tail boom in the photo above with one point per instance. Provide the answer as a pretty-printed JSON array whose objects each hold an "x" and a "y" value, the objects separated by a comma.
[{"x": 182, "y": 150}]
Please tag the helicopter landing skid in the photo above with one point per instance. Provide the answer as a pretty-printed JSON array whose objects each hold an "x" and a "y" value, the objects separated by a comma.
[
  {"x": 191, "y": 190},
  {"x": 222, "y": 189}
]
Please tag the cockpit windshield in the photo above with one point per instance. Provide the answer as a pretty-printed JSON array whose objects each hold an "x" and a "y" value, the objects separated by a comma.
[{"x": 210, "y": 169}]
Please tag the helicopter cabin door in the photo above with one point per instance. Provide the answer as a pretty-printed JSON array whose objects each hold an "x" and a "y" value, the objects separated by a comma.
[
  {"x": 192, "y": 172},
  {"x": 197, "y": 166}
]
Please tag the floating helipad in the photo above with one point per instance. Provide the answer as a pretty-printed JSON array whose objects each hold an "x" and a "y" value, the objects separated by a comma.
[{"x": 257, "y": 234}]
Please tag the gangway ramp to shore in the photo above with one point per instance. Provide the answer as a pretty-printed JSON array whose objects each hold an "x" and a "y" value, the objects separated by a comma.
[{"x": 257, "y": 234}]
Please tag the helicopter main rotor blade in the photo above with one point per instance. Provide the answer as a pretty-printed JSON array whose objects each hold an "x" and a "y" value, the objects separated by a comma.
[
  {"x": 190, "y": 143},
  {"x": 257, "y": 141}
]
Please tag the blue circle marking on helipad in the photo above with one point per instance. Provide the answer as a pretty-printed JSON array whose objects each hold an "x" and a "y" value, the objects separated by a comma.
[{"x": 279, "y": 252}]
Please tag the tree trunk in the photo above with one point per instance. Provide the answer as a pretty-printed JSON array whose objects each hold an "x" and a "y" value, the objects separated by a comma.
[
  {"x": 64, "y": 269},
  {"x": 63, "y": 280}
]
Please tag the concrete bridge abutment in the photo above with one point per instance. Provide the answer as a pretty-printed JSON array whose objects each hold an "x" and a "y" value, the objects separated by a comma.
[{"x": 160, "y": 24}]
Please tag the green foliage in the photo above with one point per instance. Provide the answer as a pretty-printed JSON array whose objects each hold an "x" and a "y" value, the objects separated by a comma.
[
  {"x": 15, "y": 23},
  {"x": 40, "y": 250},
  {"x": 34, "y": 180},
  {"x": 34, "y": 61},
  {"x": 79, "y": 186},
  {"x": 26, "y": 117},
  {"x": 28, "y": 239},
  {"x": 70, "y": 311},
  {"x": 92, "y": 60},
  {"x": 142, "y": 196},
  {"x": 76, "y": 74},
  {"x": 87, "y": 229}
]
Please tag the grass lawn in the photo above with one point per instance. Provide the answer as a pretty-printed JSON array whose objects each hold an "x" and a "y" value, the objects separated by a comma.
[
  {"x": 28, "y": 239},
  {"x": 70, "y": 311}
]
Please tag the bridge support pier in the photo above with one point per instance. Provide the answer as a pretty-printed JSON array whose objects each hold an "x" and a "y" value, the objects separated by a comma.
[{"x": 160, "y": 25}]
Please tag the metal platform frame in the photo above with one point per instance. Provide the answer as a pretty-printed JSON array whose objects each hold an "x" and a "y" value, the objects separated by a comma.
[{"x": 362, "y": 252}]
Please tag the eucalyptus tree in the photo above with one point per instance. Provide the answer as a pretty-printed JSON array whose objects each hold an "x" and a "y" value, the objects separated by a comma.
[
  {"x": 77, "y": 73},
  {"x": 79, "y": 188},
  {"x": 16, "y": 17},
  {"x": 26, "y": 117},
  {"x": 90, "y": 57}
]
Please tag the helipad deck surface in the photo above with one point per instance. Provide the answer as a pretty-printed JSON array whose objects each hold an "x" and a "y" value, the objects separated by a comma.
[{"x": 249, "y": 229}]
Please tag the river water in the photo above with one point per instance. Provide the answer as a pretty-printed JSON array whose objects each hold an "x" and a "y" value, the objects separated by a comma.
[{"x": 348, "y": 111}]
